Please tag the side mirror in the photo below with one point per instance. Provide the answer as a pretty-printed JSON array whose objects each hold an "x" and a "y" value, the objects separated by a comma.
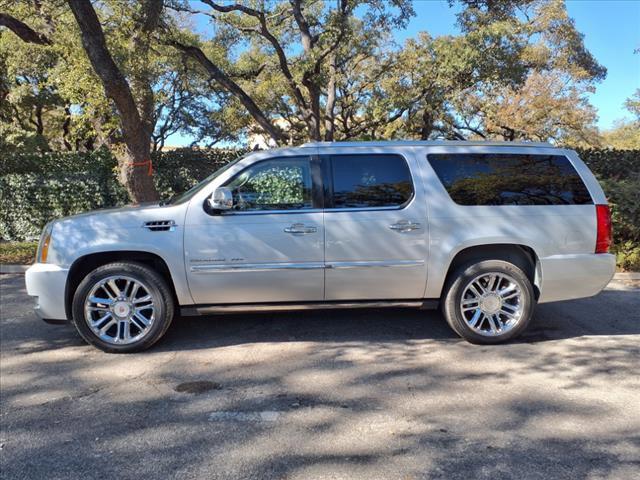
[{"x": 221, "y": 199}]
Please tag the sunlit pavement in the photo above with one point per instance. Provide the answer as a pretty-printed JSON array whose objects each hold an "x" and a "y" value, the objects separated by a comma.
[{"x": 349, "y": 394}]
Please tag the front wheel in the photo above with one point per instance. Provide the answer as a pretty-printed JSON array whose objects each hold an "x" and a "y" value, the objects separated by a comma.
[
  {"x": 122, "y": 307},
  {"x": 489, "y": 302}
]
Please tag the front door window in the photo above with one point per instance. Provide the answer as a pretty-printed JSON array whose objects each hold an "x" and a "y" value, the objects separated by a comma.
[{"x": 281, "y": 184}]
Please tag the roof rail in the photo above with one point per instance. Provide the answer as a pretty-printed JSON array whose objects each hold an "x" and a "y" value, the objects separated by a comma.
[{"x": 426, "y": 143}]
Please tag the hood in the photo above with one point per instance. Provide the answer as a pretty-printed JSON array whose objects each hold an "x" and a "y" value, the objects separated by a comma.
[
  {"x": 112, "y": 210},
  {"x": 130, "y": 216}
]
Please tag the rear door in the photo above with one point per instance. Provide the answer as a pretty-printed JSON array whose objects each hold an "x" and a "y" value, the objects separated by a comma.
[{"x": 375, "y": 226}]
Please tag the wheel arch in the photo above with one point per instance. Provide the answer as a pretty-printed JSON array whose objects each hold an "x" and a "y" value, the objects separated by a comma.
[
  {"x": 521, "y": 255},
  {"x": 83, "y": 265}
]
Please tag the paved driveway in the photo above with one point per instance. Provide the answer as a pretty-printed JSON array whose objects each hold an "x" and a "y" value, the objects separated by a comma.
[{"x": 352, "y": 394}]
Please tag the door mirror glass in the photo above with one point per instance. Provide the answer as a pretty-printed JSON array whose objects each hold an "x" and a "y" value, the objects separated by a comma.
[{"x": 221, "y": 199}]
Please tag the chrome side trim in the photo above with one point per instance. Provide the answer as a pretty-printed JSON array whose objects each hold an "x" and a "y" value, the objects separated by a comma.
[
  {"x": 266, "y": 267},
  {"x": 266, "y": 307},
  {"x": 299, "y": 211},
  {"x": 375, "y": 264},
  {"x": 255, "y": 267},
  {"x": 368, "y": 209}
]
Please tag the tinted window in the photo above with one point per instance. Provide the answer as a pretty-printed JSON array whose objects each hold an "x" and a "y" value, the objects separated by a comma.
[
  {"x": 507, "y": 179},
  {"x": 279, "y": 184},
  {"x": 361, "y": 181}
]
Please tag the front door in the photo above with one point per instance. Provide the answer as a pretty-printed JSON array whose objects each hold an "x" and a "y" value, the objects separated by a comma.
[
  {"x": 375, "y": 228},
  {"x": 269, "y": 247}
]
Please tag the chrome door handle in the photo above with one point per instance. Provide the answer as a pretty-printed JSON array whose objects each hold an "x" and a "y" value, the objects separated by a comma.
[
  {"x": 300, "y": 229},
  {"x": 405, "y": 226}
]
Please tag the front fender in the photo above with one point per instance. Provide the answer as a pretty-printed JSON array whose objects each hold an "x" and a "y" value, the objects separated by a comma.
[{"x": 72, "y": 245}]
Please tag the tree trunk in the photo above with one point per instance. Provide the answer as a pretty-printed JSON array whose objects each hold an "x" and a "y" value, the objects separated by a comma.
[
  {"x": 329, "y": 120},
  {"x": 427, "y": 124},
  {"x": 134, "y": 159},
  {"x": 65, "y": 128},
  {"x": 136, "y": 175},
  {"x": 314, "y": 93}
]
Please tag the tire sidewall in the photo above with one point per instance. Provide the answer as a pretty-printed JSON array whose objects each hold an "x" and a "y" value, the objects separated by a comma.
[
  {"x": 451, "y": 305},
  {"x": 142, "y": 273}
]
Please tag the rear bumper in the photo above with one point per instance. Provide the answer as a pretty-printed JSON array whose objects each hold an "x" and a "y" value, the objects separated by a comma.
[
  {"x": 47, "y": 283},
  {"x": 565, "y": 277}
]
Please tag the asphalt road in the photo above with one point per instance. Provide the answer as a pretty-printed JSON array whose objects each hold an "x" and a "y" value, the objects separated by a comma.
[{"x": 350, "y": 394}]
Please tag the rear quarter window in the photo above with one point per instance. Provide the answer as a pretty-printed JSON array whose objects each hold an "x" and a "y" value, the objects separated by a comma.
[{"x": 509, "y": 179}]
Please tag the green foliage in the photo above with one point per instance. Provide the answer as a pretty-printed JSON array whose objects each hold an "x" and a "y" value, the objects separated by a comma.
[
  {"x": 21, "y": 253},
  {"x": 517, "y": 69},
  {"x": 610, "y": 163},
  {"x": 623, "y": 135},
  {"x": 619, "y": 174},
  {"x": 35, "y": 188},
  {"x": 628, "y": 255}
]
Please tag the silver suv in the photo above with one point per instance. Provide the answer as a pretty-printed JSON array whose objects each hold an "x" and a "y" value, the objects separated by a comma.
[{"x": 484, "y": 230}]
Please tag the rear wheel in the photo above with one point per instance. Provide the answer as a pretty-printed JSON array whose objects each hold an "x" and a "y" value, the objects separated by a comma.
[
  {"x": 488, "y": 302},
  {"x": 122, "y": 307}
]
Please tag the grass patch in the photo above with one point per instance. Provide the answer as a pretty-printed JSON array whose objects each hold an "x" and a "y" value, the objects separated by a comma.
[{"x": 21, "y": 253}]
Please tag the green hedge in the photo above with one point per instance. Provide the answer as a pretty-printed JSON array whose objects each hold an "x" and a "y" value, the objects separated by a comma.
[
  {"x": 35, "y": 188},
  {"x": 619, "y": 174}
]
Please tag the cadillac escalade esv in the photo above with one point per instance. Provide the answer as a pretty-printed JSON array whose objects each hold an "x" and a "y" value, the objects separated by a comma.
[{"x": 484, "y": 230}]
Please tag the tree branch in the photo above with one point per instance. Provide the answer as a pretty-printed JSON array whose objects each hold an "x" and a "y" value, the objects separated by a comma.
[
  {"x": 265, "y": 33},
  {"x": 232, "y": 87},
  {"x": 22, "y": 30},
  {"x": 305, "y": 32},
  {"x": 115, "y": 84}
]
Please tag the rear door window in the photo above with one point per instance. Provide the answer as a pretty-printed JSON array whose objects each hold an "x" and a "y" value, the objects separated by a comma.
[
  {"x": 369, "y": 181},
  {"x": 509, "y": 179}
]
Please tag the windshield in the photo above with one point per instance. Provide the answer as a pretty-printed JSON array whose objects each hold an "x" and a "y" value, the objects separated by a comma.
[{"x": 186, "y": 196}]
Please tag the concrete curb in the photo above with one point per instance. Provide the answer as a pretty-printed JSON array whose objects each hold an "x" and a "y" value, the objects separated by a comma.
[
  {"x": 23, "y": 268},
  {"x": 627, "y": 276},
  {"x": 4, "y": 268}
]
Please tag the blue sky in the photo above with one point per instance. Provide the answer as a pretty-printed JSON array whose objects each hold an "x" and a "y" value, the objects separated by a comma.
[{"x": 611, "y": 31}]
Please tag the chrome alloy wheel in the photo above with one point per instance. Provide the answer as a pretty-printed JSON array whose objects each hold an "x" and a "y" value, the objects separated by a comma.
[
  {"x": 491, "y": 304},
  {"x": 120, "y": 310}
]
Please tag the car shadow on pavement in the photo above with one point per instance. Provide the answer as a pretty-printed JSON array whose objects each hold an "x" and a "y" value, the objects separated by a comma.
[
  {"x": 555, "y": 321},
  {"x": 613, "y": 312}
]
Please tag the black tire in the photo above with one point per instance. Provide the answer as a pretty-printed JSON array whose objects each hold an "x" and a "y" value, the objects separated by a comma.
[
  {"x": 157, "y": 287},
  {"x": 460, "y": 280}
]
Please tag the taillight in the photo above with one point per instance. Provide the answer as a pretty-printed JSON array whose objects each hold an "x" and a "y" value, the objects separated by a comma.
[{"x": 604, "y": 236}]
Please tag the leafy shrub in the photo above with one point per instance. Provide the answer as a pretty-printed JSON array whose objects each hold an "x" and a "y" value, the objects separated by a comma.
[
  {"x": 612, "y": 164},
  {"x": 619, "y": 174},
  {"x": 628, "y": 256}
]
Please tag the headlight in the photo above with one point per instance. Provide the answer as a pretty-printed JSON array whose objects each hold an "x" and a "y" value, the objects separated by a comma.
[{"x": 45, "y": 243}]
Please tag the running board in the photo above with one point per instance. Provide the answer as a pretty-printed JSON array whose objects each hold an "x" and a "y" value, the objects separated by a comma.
[{"x": 289, "y": 307}]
